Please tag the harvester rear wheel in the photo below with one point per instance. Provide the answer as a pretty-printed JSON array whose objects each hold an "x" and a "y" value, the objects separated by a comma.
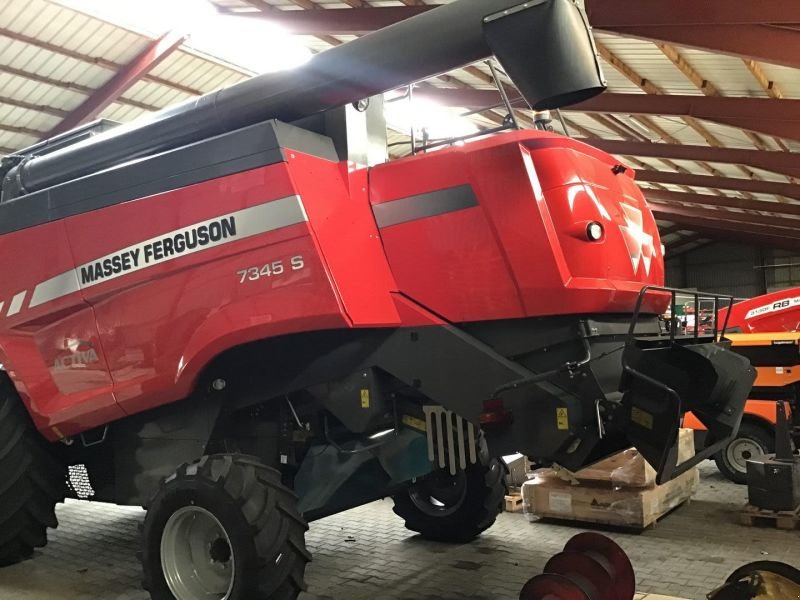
[
  {"x": 224, "y": 527},
  {"x": 32, "y": 481},
  {"x": 454, "y": 508}
]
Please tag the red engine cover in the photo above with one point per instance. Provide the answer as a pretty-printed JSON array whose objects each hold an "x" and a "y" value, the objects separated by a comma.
[{"x": 508, "y": 237}]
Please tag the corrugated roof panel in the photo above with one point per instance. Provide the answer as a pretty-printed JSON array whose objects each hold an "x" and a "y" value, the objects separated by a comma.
[
  {"x": 29, "y": 119},
  {"x": 16, "y": 141},
  {"x": 617, "y": 82},
  {"x": 587, "y": 122},
  {"x": 788, "y": 79},
  {"x": 729, "y": 136},
  {"x": 727, "y": 169},
  {"x": 679, "y": 129},
  {"x": 729, "y": 74},
  {"x": 153, "y": 94},
  {"x": 648, "y": 62},
  {"x": 769, "y": 176},
  {"x": 122, "y": 113}
]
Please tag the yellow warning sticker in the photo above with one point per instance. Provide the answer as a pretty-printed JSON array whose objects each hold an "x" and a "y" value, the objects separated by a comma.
[
  {"x": 364, "y": 398},
  {"x": 562, "y": 419},
  {"x": 414, "y": 423},
  {"x": 641, "y": 417}
]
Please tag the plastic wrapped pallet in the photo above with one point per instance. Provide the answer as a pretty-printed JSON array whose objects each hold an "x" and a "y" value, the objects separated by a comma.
[
  {"x": 547, "y": 495},
  {"x": 619, "y": 490}
]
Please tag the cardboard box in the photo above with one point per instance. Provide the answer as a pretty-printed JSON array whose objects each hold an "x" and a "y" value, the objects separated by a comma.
[
  {"x": 547, "y": 495},
  {"x": 630, "y": 469}
]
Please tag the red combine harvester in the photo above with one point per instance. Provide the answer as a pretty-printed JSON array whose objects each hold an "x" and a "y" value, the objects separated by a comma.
[{"x": 238, "y": 323}]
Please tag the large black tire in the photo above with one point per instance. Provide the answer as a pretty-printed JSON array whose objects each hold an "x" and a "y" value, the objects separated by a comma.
[
  {"x": 454, "y": 509},
  {"x": 751, "y": 440},
  {"x": 266, "y": 533},
  {"x": 32, "y": 481}
]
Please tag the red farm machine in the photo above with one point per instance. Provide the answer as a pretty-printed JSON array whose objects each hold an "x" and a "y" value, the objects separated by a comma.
[{"x": 233, "y": 315}]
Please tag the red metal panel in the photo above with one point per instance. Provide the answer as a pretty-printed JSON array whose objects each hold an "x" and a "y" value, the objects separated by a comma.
[{"x": 109, "y": 92}]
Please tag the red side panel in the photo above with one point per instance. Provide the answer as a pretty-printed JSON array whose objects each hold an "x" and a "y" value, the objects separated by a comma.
[
  {"x": 51, "y": 351},
  {"x": 161, "y": 324},
  {"x": 453, "y": 263},
  {"x": 347, "y": 237}
]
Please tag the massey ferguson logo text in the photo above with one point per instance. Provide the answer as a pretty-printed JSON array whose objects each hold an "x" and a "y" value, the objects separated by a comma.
[{"x": 159, "y": 250}]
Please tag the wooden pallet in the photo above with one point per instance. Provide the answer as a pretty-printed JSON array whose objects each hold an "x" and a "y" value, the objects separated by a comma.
[
  {"x": 514, "y": 503},
  {"x": 753, "y": 516}
]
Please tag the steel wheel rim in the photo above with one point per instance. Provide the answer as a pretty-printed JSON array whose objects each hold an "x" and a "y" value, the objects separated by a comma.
[
  {"x": 196, "y": 556},
  {"x": 742, "y": 449},
  {"x": 440, "y": 494}
]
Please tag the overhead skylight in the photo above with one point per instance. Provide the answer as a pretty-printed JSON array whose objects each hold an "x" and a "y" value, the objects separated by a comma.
[{"x": 251, "y": 43}]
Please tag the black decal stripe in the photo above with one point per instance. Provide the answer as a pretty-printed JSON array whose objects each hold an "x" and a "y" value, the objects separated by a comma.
[{"x": 425, "y": 205}]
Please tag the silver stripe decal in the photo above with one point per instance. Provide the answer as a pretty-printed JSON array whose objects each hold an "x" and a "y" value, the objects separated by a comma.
[
  {"x": 61, "y": 285},
  {"x": 426, "y": 205},
  {"x": 16, "y": 303},
  {"x": 2, "y": 304},
  {"x": 250, "y": 221}
]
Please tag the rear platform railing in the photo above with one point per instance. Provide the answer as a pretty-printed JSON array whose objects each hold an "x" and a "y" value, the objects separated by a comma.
[{"x": 719, "y": 301}]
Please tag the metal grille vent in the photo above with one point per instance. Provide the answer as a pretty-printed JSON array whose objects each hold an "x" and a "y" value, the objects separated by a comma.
[{"x": 451, "y": 439}]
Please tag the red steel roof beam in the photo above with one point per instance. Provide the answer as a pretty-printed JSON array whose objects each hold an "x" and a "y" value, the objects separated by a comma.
[
  {"x": 764, "y": 115},
  {"x": 155, "y": 53},
  {"x": 789, "y": 190},
  {"x": 737, "y": 27},
  {"x": 775, "y": 225},
  {"x": 624, "y": 13},
  {"x": 778, "y": 162},
  {"x": 780, "y": 208},
  {"x": 740, "y": 235}
]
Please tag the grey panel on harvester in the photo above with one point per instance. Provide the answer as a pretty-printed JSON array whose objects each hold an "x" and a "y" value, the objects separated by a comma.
[{"x": 425, "y": 205}]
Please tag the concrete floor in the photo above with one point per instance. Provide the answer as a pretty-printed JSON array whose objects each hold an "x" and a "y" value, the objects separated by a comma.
[{"x": 366, "y": 553}]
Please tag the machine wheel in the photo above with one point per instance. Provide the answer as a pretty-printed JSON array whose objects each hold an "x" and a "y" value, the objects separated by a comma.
[
  {"x": 224, "y": 527},
  {"x": 753, "y": 440},
  {"x": 454, "y": 508},
  {"x": 32, "y": 481}
]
